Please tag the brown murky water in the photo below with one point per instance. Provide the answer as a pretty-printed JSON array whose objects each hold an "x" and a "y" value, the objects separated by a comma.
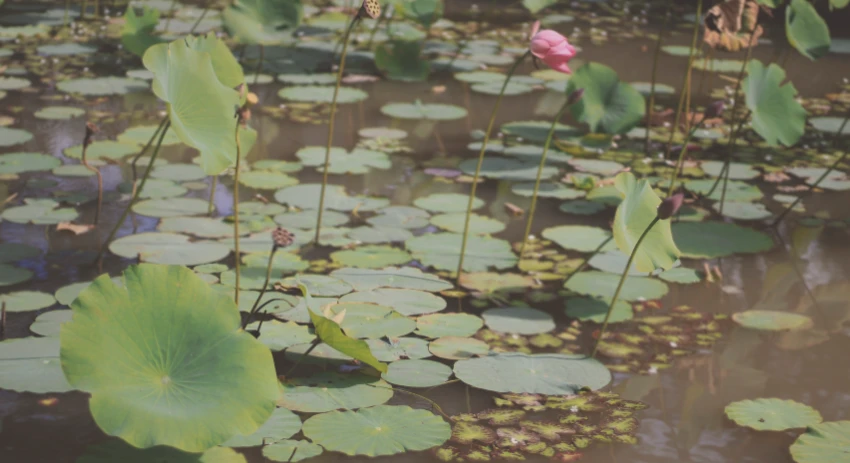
[{"x": 685, "y": 421}]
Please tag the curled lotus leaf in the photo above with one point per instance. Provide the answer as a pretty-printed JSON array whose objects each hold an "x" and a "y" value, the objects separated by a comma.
[{"x": 823, "y": 443}]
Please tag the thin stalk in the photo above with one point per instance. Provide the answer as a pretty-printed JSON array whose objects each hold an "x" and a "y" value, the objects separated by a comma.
[
  {"x": 135, "y": 195},
  {"x": 236, "y": 212},
  {"x": 587, "y": 259},
  {"x": 650, "y": 107},
  {"x": 682, "y": 154},
  {"x": 331, "y": 126},
  {"x": 254, "y": 308},
  {"x": 533, "y": 207},
  {"x": 725, "y": 184},
  {"x": 170, "y": 15},
  {"x": 433, "y": 404},
  {"x": 99, "y": 182},
  {"x": 145, "y": 149},
  {"x": 820, "y": 179},
  {"x": 200, "y": 18},
  {"x": 67, "y": 13},
  {"x": 620, "y": 284},
  {"x": 732, "y": 139},
  {"x": 211, "y": 202},
  {"x": 481, "y": 159},
  {"x": 686, "y": 80},
  {"x": 313, "y": 345},
  {"x": 3, "y": 318},
  {"x": 374, "y": 31}
]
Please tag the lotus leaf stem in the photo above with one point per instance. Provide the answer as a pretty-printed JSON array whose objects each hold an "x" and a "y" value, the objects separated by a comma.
[
  {"x": 686, "y": 87},
  {"x": 533, "y": 206},
  {"x": 99, "y": 181},
  {"x": 331, "y": 126},
  {"x": 3, "y": 318},
  {"x": 684, "y": 151},
  {"x": 820, "y": 179},
  {"x": 620, "y": 284},
  {"x": 201, "y": 17},
  {"x": 236, "y": 267},
  {"x": 313, "y": 345},
  {"x": 587, "y": 259},
  {"x": 650, "y": 107},
  {"x": 170, "y": 15},
  {"x": 734, "y": 137},
  {"x": 419, "y": 396},
  {"x": 67, "y": 11},
  {"x": 210, "y": 203},
  {"x": 135, "y": 195},
  {"x": 254, "y": 308},
  {"x": 484, "y": 142},
  {"x": 145, "y": 149}
]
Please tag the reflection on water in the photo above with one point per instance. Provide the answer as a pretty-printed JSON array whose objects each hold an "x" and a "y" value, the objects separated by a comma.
[{"x": 685, "y": 422}]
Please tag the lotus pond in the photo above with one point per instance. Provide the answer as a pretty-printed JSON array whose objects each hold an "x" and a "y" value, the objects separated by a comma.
[{"x": 424, "y": 230}]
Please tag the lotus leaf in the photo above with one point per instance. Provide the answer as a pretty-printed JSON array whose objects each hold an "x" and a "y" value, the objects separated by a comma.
[
  {"x": 104, "y": 149},
  {"x": 777, "y": 115},
  {"x": 168, "y": 248},
  {"x": 328, "y": 391},
  {"x": 282, "y": 424},
  {"x": 709, "y": 240},
  {"x": 19, "y": 163},
  {"x": 263, "y": 22},
  {"x": 140, "y": 135},
  {"x": 366, "y": 235},
  {"x": 580, "y": 238},
  {"x": 478, "y": 224},
  {"x": 264, "y": 180},
  {"x": 402, "y": 60},
  {"x": 171, "y": 207},
  {"x": 442, "y": 251},
  {"x": 278, "y": 335},
  {"x": 634, "y": 216},
  {"x": 306, "y": 196},
  {"x": 358, "y": 161},
  {"x": 518, "y": 320},
  {"x": 507, "y": 169},
  {"x": 772, "y": 320},
  {"x": 822, "y": 443},
  {"x": 39, "y": 212},
  {"x": 419, "y": 110},
  {"x": 806, "y": 30},
  {"x": 446, "y": 202},
  {"x": 594, "y": 309},
  {"x": 203, "y": 227},
  {"x": 391, "y": 277},
  {"x": 538, "y": 131},
  {"x": 11, "y": 275},
  {"x": 399, "y": 217},
  {"x": 59, "y": 112},
  {"x": 407, "y": 302},
  {"x": 551, "y": 374},
  {"x": 150, "y": 326},
  {"x": 740, "y": 210},
  {"x": 547, "y": 190},
  {"x": 322, "y": 94},
  {"x": 10, "y": 136},
  {"x": 417, "y": 373},
  {"x": 32, "y": 365},
  {"x": 366, "y": 320},
  {"x": 137, "y": 34},
  {"x": 604, "y": 285},
  {"x": 66, "y": 49},
  {"x": 534, "y": 6},
  {"x": 453, "y": 324},
  {"x": 424, "y": 12},
  {"x": 458, "y": 348},
  {"x": 381, "y": 430},
  {"x": 397, "y": 349},
  {"x": 772, "y": 414},
  {"x": 290, "y": 451},
  {"x": 50, "y": 323},
  {"x": 608, "y": 105}
]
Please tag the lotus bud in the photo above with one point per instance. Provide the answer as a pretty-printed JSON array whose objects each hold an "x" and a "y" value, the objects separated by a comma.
[
  {"x": 575, "y": 96},
  {"x": 714, "y": 110},
  {"x": 553, "y": 49},
  {"x": 670, "y": 206},
  {"x": 91, "y": 129},
  {"x": 282, "y": 237},
  {"x": 372, "y": 8}
]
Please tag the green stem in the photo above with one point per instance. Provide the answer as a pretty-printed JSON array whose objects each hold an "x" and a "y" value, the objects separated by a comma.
[
  {"x": 682, "y": 154},
  {"x": 533, "y": 207},
  {"x": 686, "y": 88},
  {"x": 256, "y": 305},
  {"x": 200, "y": 18},
  {"x": 210, "y": 203},
  {"x": 331, "y": 126},
  {"x": 820, "y": 179},
  {"x": 67, "y": 12},
  {"x": 135, "y": 195},
  {"x": 145, "y": 149},
  {"x": 236, "y": 212},
  {"x": 650, "y": 107},
  {"x": 170, "y": 15},
  {"x": 433, "y": 404},
  {"x": 99, "y": 183},
  {"x": 620, "y": 284},
  {"x": 481, "y": 159},
  {"x": 587, "y": 259}
]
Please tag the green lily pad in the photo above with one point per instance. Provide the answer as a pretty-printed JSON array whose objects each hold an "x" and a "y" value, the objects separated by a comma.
[
  {"x": 772, "y": 320},
  {"x": 580, "y": 238},
  {"x": 19, "y": 163},
  {"x": 282, "y": 424},
  {"x": 322, "y": 94},
  {"x": 171, "y": 207},
  {"x": 829, "y": 124},
  {"x": 427, "y": 111},
  {"x": 103, "y": 86},
  {"x": 290, "y": 451},
  {"x": 597, "y": 166},
  {"x": 604, "y": 285},
  {"x": 806, "y": 30},
  {"x": 822, "y": 443},
  {"x": 381, "y": 430},
  {"x": 328, "y": 391},
  {"x": 26, "y": 301},
  {"x": 538, "y": 131},
  {"x": 178, "y": 172},
  {"x": 50, "y": 323},
  {"x": 397, "y": 349},
  {"x": 266, "y": 180},
  {"x": 400, "y": 217},
  {"x": 740, "y": 210},
  {"x": 104, "y": 149},
  {"x": 307, "y": 219},
  {"x": 391, "y": 277},
  {"x": 13, "y": 83},
  {"x": 772, "y": 414},
  {"x": 39, "y": 212},
  {"x": 442, "y": 251},
  {"x": 417, "y": 373},
  {"x": 547, "y": 190},
  {"x": 777, "y": 115},
  {"x": 453, "y": 324},
  {"x": 366, "y": 320},
  {"x": 156, "y": 314},
  {"x": 279, "y": 335},
  {"x": 507, "y": 169},
  {"x": 320, "y": 285},
  {"x": 10, "y": 136},
  {"x": 518, "y": 320},
  {"x": 306, "y": 79},
  {"x": 203, "y": 227},
  {"x": 358, "y": 161},
  {"x": 32, "y": 365},
  {"x": 634, "y": 214},
  {"x": 594, "y": 309},
  {"x": 306, "y": 196},
  {"x": 140, "y": 135},
  {"x": 66, "y": 49},
  {"x": 582, "y": 207},
  {"x": 709, "y": 240},
  {"x": 404, "y": 301},
  {"x": 608, "y": 105},
  {"x": 550, "y": 374},
  {"x": 680, "y": 275},
  {"x": 446, "y": 202},
  {"x": 613, "y": 261},
  {"x": 371, "y": 257},
  {"x": 458, "y": 348},
  {"x": 478, "y": 224},
  {"x": 59, "y": 112},
  {"x": 737, "y": 170},
  {"x": 168, "y": 248},
  {"x": 376, "y": 235}
]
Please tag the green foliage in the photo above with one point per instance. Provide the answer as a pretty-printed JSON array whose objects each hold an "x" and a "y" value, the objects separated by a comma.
[
  {"x": 608, "y": 105},
  {"x": 534, "y": 6},
  {"x": 136, "y": 36},
  {"x": 550, "y": 374},
  {"x": 823, "y": 443},
  {"x": 197, "y": 77},
  {"x": 152, "y": 353},
  {"x": 424, "y": 12},
  {"x": 806, "y": 30},
  {"x": 262, "y": 22},
  {"x": 772, "y": 414},
  {"x": 634, "y": 214},
  {"x": 402, "y": 60}
]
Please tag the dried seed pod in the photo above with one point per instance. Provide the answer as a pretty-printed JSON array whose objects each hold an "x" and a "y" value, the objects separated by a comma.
[
  {"x": 372, "y": 8},
  {"x": 282, "y": 237}
]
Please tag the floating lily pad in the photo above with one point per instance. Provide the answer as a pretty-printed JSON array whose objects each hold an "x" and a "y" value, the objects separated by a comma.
[
  {"x": 680, "y": 275},
  {"x": 594, "y": 309},
  {"x": 375, "y": 235},
  {"x": 50, "y": 323},
  {"x": 25, "y": 301},
  {"x": 306, "y": 196},
  {"x": 168, "y": 248},
  {"x": 442, "y": 251},
  {"x": 203, "y": 227},
  {"x": 282, "y": 424},
  {"x": 266, "y": 180},
  {"x": 371, "y": 257},
  {"x": 446, "y": 202},
  {"x": 366, "y": 320},
  {"x": 104, "y": 149},
  {"x": 13, "y": 83},
  {"x": 740, "y": 210},
  {"x": 319, "y": 285},
  {"x": 103, "y": 86},
  {"x": 290, "y": 451},
  {"x": 417, "y": 373},
  {"x": 458, "y": 348},
  {"x": 518, "y": 320},
  {"x": 171, "y": 207},
  {"x": 580, "y": 238},
  {"x": 358, "y": 161},
  {"x": 400, "y": 217},
  {"x": 613, "y": 261},
  {"x": 11, "y": 275},
  {"x": 550, "y": 374},
  {"x": 178, "y": 172},
  {"x": 597, "y": 166},
  {"x": 64, "y": 49},
  {"x": 822, "y": 443},
  {"x": 830, "y": 124},
  {"x": 407, "y": 302},
  {"x": 391, "y": 277},
  {"x": 737, "y": 170},
  {"x": 171, "y": 308},
  {"x": 772, "y": 320},
  {"x": 10, "y": 136},
  {"x": 478, "y": 224},
  {"x": 582, "y": 207},
  {"x": 440, "y": 325},
  {"x": 32, "y": 365},
  {"x": 772, "y": 414},
  {"x": 507, "y": 169},
  {"x": 307, "y": 219},
  {"x": 140, "y": 135},
  {"x": 604, "y": 285},
  {"x": 397, "y": 349},
  {"x": 40, "y": 212},
  {"x": 59, "y": 112},
  {"x": 328, "y": 391},
  {"x": 547, "y": 190},
  {"x": 538, "y": 131},
  {"x": 322, "y": 94},
  {"x": 709, "y": 240},
  {"x": 279, "y": 335},
  {"x": 429, "y": 111},
  {"x": 19, "y": 163},
  {"x": 381, "y": 430}
]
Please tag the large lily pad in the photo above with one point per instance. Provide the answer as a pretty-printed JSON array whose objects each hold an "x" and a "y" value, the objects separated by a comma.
[
  {"x": 371, "y": 257},
  {"x": 550, "y": 374},
  {"x": 404, "y": 301},
  {"x": 772, "y": 414},
  {"x": 604, "y": 285},
  {"x": 391, "y": 277},
  {"x": 823, "y": 443},
  {"x": 306, "y": 196},
  {"x": 580, "y": 238},
  {"x": 32, "y": 365},
  {"x": 449, "y": 324},
  {"x": 518, "y": 320},
  {"x": 367, "y": 320},
  {"x": 168, "y": 248},
  {"x": 103, "y": 86},
  {"x": 39, "y": 212},
  {"x": 417, "y": 373},
  {"x": 709, "y": 240},
  {"x": 358, "y": 161},
  {"x": 777, "y": 115},
  {"x": 608, "y": 105},
  {"x": 25, "y": 301},
  {"x": 282, "y": 424},
  {"x": 328, "y": 391},
  {"x": 381, "y": 430},
  {"x": 18, "y": 163},
  {"x": 429, "y": 111},
  {"x": 442, "y": 251},
  {"x": 772, "y": 320}
]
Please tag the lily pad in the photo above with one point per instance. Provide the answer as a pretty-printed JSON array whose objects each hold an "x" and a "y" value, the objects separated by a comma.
[
  {"x": 104, "y": 149},
  {"x": 442, "y": 251},
  {"x": 458, "y": 348},
  {"x": 10, "y": 136},
  {"x": 518, "y": 320},
  {"x": 290, "y": 451},
  {"x": 168, "y": 248},
  {"x": 391, "y": 277},
  {"x": 306, "y": 196},
  {"x": 266, "y": 180},
  {"x": 366, "y": 320},
  {"x": 709, "y": 240},
  {"x": 49, "y": 324},
  {"x": 19, "y": 163},
  {"x": 358, "y": 161},
  {"x": 171, "y": 207},
  {"x": 328, "y": 391},
  {"x": 426, "y": 111},
  {"x": 381, "y": 430},
  {"x": 407, "y": 217},
  {"x": 740, "y": 210},
  {"x": 407, "y": 302},
  {"x": 550, "y": 374},
  {"x": 279, "y": 335},
  {"x": 417, "y": 373},
  {"x": 478, "y": 224},
  {"x": 59, "y": 112},
  {"x": 594, "y": 309},
  {"x": 172, "y": 309},
  {"x": 26, "y": 301},
  {"x": 39, "y": 212},
  {"x": 604, "y": 285},
  {"x": 322, "y": 94},
  {"x": 103, "y": 86},
  {"x": 396, "y": 349},
  {"x": 282, "y": 424},
  {"x": 772, "y": 414},
  {"x": 446, "y": 202},
  {"x": 453, "y": 324},
  {"x": 580, "y": 238},
  {"x": 822, "y": 443},
  {"x": 32, "y": 365},
  {"x": 772, "y": 320}
]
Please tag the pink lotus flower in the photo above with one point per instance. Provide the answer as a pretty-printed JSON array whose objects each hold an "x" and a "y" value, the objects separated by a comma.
[{"x": 553, "y": 49}]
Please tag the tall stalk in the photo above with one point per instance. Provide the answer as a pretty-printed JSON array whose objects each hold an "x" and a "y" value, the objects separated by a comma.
[
  {"x": 236, "y": 209},
  {"x": 200, "y": 17},
  {"x": 331, "y": 125},
  {"x": 135, "y": 195},
  {"x": 90, "y": 130},
  {"x": 481, "y": 159},
  {"x": 650, "y": 107},
  {"x": 686, "y": 80},
  {"x": 682, "y": 153},
  {"x": 533, "y": 207},
  {"x": 620, "y": 285}
]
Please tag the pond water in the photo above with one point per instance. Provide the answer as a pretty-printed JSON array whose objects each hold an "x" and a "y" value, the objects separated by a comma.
[{"x": 684, "y": 420}]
